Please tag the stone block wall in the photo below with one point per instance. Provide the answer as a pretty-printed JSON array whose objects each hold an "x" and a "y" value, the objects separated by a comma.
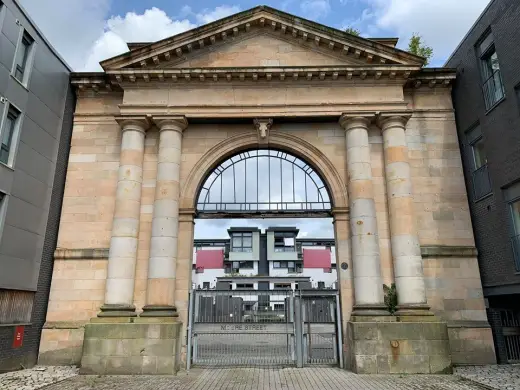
[
  {"x": 396, "y": 347},
  {"x": 131, "y": 348}
]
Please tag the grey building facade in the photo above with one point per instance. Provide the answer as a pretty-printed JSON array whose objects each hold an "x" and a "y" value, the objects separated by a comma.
[
  {"x": 486, "y": 97},
  {"x": 36, "y": 108}
]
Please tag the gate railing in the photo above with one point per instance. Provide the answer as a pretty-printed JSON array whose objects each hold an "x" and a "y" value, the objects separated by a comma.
[{"x": 263, "y": 328}]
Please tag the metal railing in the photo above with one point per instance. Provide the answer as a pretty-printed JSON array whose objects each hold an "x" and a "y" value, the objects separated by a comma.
[
  {"x": 263, "y": 328},
  {"x": 481, "y": 182},
  {"x": 510, "y": 320},
  {"x": 515, "y": 243},
  {"x": 493, "y": 89}
]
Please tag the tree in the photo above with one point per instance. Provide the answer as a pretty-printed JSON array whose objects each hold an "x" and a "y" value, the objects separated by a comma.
[
  {"x": 352, "y": 31},
  {"x": 418, "y": 47}
]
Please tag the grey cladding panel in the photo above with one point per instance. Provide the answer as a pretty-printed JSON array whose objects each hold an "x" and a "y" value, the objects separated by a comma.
[
  {"x": 10, "y": 29},
  {"x": 4, "y": 79},
  {"x": 26, "y": 216},
  {"x": 7, "y": 49},
  {"x": 38, "y": 139},
  {"x": 34, "y": 164},
  {"x": 31, "y": 190},
  {"x": 43, "y": 116},
  {"x": 54, "y": 72},
  {"x": 43, "y": 87},
  {"x": 19, "y": 243},
  {"x": 6, "y": 179},
  {"x": 19, "y": 273},
  {"x": 17, "y": 94}
]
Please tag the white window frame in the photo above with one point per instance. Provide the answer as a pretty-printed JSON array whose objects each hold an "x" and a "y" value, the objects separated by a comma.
[
  {"x": 29, "y": 61},
  {"x": 13, "y": 151}
]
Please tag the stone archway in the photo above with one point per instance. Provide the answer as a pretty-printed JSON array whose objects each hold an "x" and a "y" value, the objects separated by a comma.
[{"x": 298, "y": 147}]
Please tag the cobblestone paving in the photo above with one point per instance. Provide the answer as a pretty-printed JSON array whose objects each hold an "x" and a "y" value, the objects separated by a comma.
[
  {"x": 316, "y": 378},
  {"x": 503, "y": 377},
  {"x": 35, "y": 378}
]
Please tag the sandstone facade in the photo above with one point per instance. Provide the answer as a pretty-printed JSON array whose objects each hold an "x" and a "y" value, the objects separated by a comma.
[{"x": 378, "y": 128}]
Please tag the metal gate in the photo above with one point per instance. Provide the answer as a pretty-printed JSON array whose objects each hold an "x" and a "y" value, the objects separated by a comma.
[{"x": 263, "y": 328}]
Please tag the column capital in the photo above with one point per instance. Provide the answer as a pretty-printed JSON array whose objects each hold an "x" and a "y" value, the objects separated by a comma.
[
  {"x": 388, "y": 120},
  {"x": 174, "y": 122},
  {"x": 134, "y": 122},
  {"x": 187, "y": 215},
  {"x": 340, "y": 214},
  {"x": 349, "y": 120}
]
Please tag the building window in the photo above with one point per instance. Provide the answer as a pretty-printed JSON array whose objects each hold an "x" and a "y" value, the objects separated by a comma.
[
  {"x": 493, "y": 87},
  {"x": 282, "y": 286},
  {"x": 7, "y": 135},
  {"x": 515, "y": 239},
  {"x": 22, "y": 58},
  {"x": 480, "y": 175},
  {"x": 242, "y": 242},
  {"x": 292, "y": 266},
  {"x": 279, "y": 307},
  {"x": 245, "y": 286},
  {"x": 321, "y": 285},
  {"x": 205, "y": 285},
  {"x": 284, "y": 242},
  {"x": 235, "y": 266}
]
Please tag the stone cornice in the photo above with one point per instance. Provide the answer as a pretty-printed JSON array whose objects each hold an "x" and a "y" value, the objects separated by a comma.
[
  {"x": 260, "y": 18},
  {"x": 409, "y": 76},
  {"x": 448, "y": 251}
]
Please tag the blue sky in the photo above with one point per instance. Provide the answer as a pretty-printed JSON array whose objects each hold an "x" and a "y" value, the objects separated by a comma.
[{"x": 88, "y": 31}]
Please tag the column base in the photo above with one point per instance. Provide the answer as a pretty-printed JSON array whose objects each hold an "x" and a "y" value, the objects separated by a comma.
[
  {"x": 370, "y": 310},
  {"x": 117, "y": 310},
  {"x": 415, "y": 313},
  {"x": 159, "y": 311}
]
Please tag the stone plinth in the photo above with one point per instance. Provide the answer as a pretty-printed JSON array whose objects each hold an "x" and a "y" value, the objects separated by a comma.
[
  {"x": 131, "y": 346},
  {"x": 398, "y": 348}
]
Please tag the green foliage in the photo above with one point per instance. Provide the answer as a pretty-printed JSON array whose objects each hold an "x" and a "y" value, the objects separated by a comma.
[
  {"x": 418, "y": 47},
  {"x": 390, "y": 297},
  {"x": 353, "y": 31}
]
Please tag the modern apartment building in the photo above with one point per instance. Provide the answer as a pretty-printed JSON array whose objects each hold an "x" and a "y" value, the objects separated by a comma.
[
  {"x": 274, "y": 259},
  {"x": 486, "y": 98},
  {"x": 36, "y": 107}
]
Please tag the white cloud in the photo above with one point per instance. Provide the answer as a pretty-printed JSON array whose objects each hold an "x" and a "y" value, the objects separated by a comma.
[
  {"x": 442, "y": 23},
  {"x": 208, "y": 16},
  {"x": 152, "y": 25},
  {"x": 72, "y": 26},
  {"x": 315, "y": 9},
  {"x": 84, "y": 36}
]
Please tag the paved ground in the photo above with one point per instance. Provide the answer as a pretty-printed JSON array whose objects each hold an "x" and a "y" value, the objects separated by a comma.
[
  {"x": 322, "y": 378},
  {"x": 503, "y": 377},
  {"x": 35, "y": 378}
]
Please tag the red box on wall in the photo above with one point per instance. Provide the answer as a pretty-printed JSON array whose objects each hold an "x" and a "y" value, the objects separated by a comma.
[{"x": 18, "y": 336}]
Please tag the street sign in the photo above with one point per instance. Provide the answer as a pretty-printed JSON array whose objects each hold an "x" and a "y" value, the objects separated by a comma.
[{"x": 18, "y": 336}]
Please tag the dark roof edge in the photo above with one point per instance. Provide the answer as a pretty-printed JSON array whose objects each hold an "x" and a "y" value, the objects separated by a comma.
[
  {"x": 469, "y": 31},
  {"x": 40, "y": 33}
]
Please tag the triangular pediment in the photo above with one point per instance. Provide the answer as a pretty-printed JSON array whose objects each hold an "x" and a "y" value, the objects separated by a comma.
[{"x": 261, "y": 36}]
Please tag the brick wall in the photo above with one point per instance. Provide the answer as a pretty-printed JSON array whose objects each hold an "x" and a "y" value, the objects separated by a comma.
[
  {"x": 27, "y": 355},
  {"x": 501, "y": 133}
]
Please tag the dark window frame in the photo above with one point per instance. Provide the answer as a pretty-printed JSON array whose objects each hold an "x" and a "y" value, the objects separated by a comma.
[
  {"x": 515, "y": 230},
  {"x": 480, "y": 180},
  {"x": 279, "y": 242},
  {"x": 20, "y": 68},
  {"x": 12, "y": 118},
  {"x": 493, "y": 89},
  {"x": 242, "y": 247}
]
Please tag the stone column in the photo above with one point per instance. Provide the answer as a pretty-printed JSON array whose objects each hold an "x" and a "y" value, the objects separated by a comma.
[
  {"x": 406, "y": 249},
  {"x": 368, "y": 288},
  {"x": 122, "y": 257},
  {"x": 160, "y": 293}
]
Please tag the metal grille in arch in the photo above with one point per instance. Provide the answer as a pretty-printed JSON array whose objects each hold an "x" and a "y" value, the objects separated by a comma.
[{"x": 263, "y": 180}]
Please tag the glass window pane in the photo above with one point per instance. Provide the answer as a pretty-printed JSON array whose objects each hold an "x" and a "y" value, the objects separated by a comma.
[
  {"x": 247, "y": 242},
  {"x": 237, "y": 242},
  {"x": 479, "y": 154},
  {"x": 515, "y": 214},
  {"x": 486, "y": 42}
]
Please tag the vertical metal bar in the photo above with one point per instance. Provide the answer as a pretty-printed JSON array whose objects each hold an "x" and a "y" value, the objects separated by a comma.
[
  {"x": 339, "y": 333},
  {"x": 257, "y": 182},
  {"x": 245, "y": 185},
  {"x": 298, "y": 330},
  {"x": 305, "y": 175},
  {"x": 269, "y": 176},
  {"x": 190, "y": 330},
  {"x": 234, "y": 185},
  {"x": 281, "y": 183}
]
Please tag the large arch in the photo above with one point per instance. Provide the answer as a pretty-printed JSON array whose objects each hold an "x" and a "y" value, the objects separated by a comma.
[{"x": 277, "y": 140}]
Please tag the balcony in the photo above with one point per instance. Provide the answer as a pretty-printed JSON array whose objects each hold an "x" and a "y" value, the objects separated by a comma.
[
  {"x": 493, "y": 89},
  {"x": 515, "y": 243},
  {"x": 481, "y": 182}
]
